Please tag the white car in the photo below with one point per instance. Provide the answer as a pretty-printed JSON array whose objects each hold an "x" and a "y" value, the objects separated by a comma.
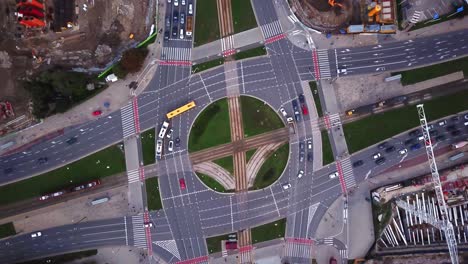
[
  {"x": 309, "y": 144},
  {"x": 159, "y": 144},
  {"x": 283, "y": 112},
  {"x": 176, "y": 2},
  {"x": 37, "y": 234},
  {"x": 169, "y": 1},
  {"x": 181, "y": 36},
  {"x": 149, "y": 224},
  {"x": 442, "y": 123},
  {"x": 340, "y": 70},
  {"x": 170, "y": 147},
  {"x": 183, "y": 2},
  {"x": 300, "y": 174},
  {"x": 286, "y": 186},
  {"x": 402, "y": 151},
  {"x": 289, "y": 119},
  {"x": 333, "y": 175},
  {"x": 190, "y": 9},
  {"x": 169, "y": 133},
  {"x": 376, "y": 155}
]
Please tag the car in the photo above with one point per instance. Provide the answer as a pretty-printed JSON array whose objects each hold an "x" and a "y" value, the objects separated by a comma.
[
  {"x": 340, "y": 70},
  {"x": 7, "y": 170},
  {"x": 169, "y": 133},
  {"x": 295, "y": 105},
  {"x": 380, "y": 161},
  {"x": 440, "y": 138},
  {"x": 455, "y": 118},
  {"x": 410, "y": 141},
  {"x": 451, "y": 128},
  {"x": 376, "y": 155},
  {"x": 148, "y": 224},
  {"x": 182, "y": 18},
  {"x": 402, "y": 151},
  {"x": 42, "y": 160},
  {"x": 430, "y": 126},
  {"x": 300, "y": 174},
  {"x": 175, "y": 16},
  {"x": 390, "y": 149},
  {"x": 301, "y": 98},
  {"x": 442, "y": 123},
  {"x": 297, "y": 116},
  {"x": 283, "y": 112},
  {"x": 190, "y": 9},
  {"x": 71, "y": 140},
  {"x": 414, "y": 133},
  {"x": 176, "y": 2},
  {"x": 289, "y": 119},
  {"x": 333, "y": 175},
  {"x": 358, "y": 163},
  {"x": 455, "y": 133},
  {"x": 181, "y": 36},
  {"x": 183, "y": 2},
  {"x": 36, "y": 234},
  {"x": 420, "y": 138},
  {"x": 415, "y": 147},
  {"x": 301, "y": 145},
  {"x": 167, "y": 35},
  {"x": 159, "y": 144},
  {"x": 305, "y": 111},
  {"x": 433, "y": 133},
  {"x": 309, "y": 144},
  {"x": 286, "y": 186},
  {"x": 170, "y": 146},
  {"x": 301, "y": 156},
  {"x": 177, "y": 142},
  {"x": 310, "y": 157},
  {"x": 97, "y": 113},
  {"x": 174, "y": 31},
  {"x": 382, "y": 145},
  {"x": 182, "y": 184},
  {"x": 168, "y": 22},
  {"x": 466, "y": 117}
]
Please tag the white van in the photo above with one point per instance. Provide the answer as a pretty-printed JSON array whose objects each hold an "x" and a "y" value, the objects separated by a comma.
[
  {"x": 181, "y": 35},
  {"x": 190, "y": 9}
]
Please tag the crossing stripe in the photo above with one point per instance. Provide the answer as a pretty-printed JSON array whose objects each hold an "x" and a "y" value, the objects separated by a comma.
[
  {"x": 139, "y": 234},
  {"x": 133, "y": 175},
  {"x": 128, "y": 120}
]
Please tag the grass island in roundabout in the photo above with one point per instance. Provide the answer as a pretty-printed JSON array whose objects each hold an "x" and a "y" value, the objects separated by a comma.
[{"x": 211, "y": 133}]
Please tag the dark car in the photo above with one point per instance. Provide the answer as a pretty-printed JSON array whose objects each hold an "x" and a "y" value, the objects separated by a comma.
[
  {"x": 8, "y": 170},
  {"x": 455, "y": 118},
  {"x": 440, "y": 138},
  {"x": 410, "y": 141},
  {"x": 358, "y": 163},
  {"x": 168, "y": 22},
  {"x": 301, "y": 98},
  {"x": 175, "y": 16},
  {"x": 455, "y": 133},
  {"x": 295, "y": 105},
  {"x": 390, "y": 149},
  {"x": 301, "y": 156},
  {"x": 451, "y": 128},
  {"x": 167, "y": 35},
  {"x": 415, "y": 147},
  {"x": 42, "y": 160},
  {"x": 174, "y": 31},
  {"x": 380, "y": 161},
  {"x": 414, "y": 133},
  {"x": 71, "y": 140},
  {"x": 177, "y": 142},
  {"x": 433, "y": 133},
  {"x": 382, "y": 145},
  {"x": 310, "y": 157}
]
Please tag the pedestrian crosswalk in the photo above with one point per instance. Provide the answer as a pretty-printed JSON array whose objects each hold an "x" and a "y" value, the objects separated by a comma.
[
  {"x": 224, "y": 253},
  {"x": 176, "y": 54},
  {"x": 347, "y": 170},
  {"x": 170, "y": 246},
  {"x": 298, "y": 250},
  {"x": 344, "y": 254},
  {"x": 417, "y": 16},
  {"x": 324, "y": 64},
  {"x": 133, "y": 175},
  {"x": 227, "y": 46},
  {"x": 139, "y": 233},
  {"x": 328, "y": 241},
  {"x": 332, "y": 121},
  {"x": 128, "y": 120},
  {"x": 271, "y": 29}
]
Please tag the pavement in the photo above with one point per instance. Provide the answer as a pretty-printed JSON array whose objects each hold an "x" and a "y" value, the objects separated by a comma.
[{"x": 114, "y": 255}]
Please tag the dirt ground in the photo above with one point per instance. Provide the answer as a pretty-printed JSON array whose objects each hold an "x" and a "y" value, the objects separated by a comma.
[
  {"x": 97, "y": 36},
  {"x": 319, "y": 14}
]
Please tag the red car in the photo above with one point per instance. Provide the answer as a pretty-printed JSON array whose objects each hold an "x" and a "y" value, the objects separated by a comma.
[
  {"x": 305, "y": 111},
  {"x": 97, "y": 113},
  {"x": 182, "y": 184}
]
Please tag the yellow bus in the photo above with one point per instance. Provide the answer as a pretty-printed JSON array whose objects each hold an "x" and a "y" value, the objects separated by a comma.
[{"x": 181, "y": 110}]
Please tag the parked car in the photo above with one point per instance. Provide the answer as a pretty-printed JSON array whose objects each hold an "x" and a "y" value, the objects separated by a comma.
[
  {"x": 451, "y": 128},
  {"x": 358, "y": 163},
  {"x": 176, "y": 2},
  {"x": 440, "y": 138},
  {"x": 455, "y": 118},
  {"x": 297, "y": 116},
  {"x": 410, "y": 141}
]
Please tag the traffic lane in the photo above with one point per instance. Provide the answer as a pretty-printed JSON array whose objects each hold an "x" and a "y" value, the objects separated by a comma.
[{"x": 265, "y": 11}]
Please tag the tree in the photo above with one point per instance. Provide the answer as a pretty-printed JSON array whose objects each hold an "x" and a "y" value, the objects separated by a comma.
[{"x": 132, "y": 61}]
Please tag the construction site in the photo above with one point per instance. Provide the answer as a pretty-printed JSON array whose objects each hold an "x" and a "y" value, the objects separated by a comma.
[
  {"x": 72, "y": 35},
  {"x": 347, "y": 16}
]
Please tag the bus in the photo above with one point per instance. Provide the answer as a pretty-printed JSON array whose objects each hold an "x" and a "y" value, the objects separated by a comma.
[
  {"x": 181, "y": 110},
  {"x": 163, "y": 130}
]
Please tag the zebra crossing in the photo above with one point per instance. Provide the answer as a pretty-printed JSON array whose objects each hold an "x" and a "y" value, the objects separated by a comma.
[
  {"x": 298, "y": 250},
  {"x": 176, "y": 54},
  {"x": 227, "y": 46},
  {"x": 170, "y": 246},
  {"x": 332, "y": 120},
  {"x": 128, "y": 120},
  {"x": 139, "y": 233},
  {"x": 328, "y": 241},
  {"x": 344, "y": 254},
  {"x": 416, "y": 17},
  {"x": 346, "y": 169},
  {"x": 133, "y": 175},
  {"x": 271, "y": 29},
  {"x": 324, "y": 64}
]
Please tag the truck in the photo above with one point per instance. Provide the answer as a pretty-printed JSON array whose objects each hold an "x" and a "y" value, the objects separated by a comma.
[
  {"x": 188, "y": 30},
  {"x": 292, "y": 126},
  {"x": 460, "y": 144}
]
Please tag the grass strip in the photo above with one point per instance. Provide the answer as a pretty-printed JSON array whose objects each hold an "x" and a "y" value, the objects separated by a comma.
[
  {"x": 255, "y": 52},
  {"x": 207, "y": 65},
  {"x": 104, "y": 163},
  {"x": 384, "y": 125},
  {"x": 65, "y": 258},
  {"x": 226, "y": 163},
  {"x": 327, "y": 153},
  {"x": 272, "y": 168},
  {"x": 148, "y": 146},
  {"x": 211, "y": 183},
  {"x": 258, "y": 117},
  {"x": 318, "y": 104},
  {"x": 214, "y": 243},
  {"x": 381, "y": 209},
  {"x": 242, "y": 15},
  {"x": 269, "y": 231},
  {"x": 7, "y": 230},
  {"x": 249, "y": 154},
  {"x": 206, "y": 22},
  {"x": 152, "y": 194}
]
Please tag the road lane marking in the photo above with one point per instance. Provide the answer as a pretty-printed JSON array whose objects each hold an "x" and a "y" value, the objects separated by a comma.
[
  {"x": 126, "y": 235},
  {"x": 274, "y": 200},
  {"x": 89, "y": 227},
  {"x": 104, "y": 232},
  {"x": 104, "y": 239},
  {"x": 232, "y": 217}
]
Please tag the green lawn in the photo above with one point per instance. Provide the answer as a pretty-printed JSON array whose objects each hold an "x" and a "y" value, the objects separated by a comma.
[
  {"x": 206, "y": 22},
  {"x": 433, "y": 71},
  {"x": 214, "y": 243},
  {"x": 65, "y": 258},
  {"x": 272, "y": 168},
  {"x": 7, "y": 230},
  {"x": 386, "y": 211},
  {"x": 318, "y": 104},
  {"x": 227, "y": 163},
  {"x": 326, "y": 149},
  {"x": 211, "y": 183},
  {"x": 211, "y": 127},
  {"x": 207, "y": 65},
  {"x": 148, "y": 147},
  {"x": 249, "y": 154},
  {"x": 269, "y": 231},
  {"x": 258, "y": 117},
  {"x": 242, "y": 15},
  {"x": 104, "y": 163},
  {"x": 152, "y": 194},
  {"x": 255, "y": 52},
  {"x": 375, "y": 128}
]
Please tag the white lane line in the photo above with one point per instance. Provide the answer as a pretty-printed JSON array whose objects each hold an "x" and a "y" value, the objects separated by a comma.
[
  {"x": 276, "y": 205},
  {"x": 98, "y": 233},
  {"x": 104, "y": 239},
  {"x": 232, "y": 217},
  {"x": 83, "y": 228},
  {"x": 126, "y": 235}
]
